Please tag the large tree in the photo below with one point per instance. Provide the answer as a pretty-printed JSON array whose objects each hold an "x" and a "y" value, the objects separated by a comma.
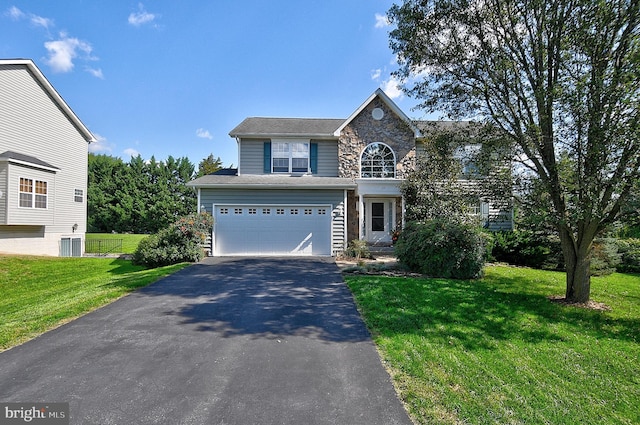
[
  {"x": 561, "y": 78},
  {"x": 139, "y": 196}
]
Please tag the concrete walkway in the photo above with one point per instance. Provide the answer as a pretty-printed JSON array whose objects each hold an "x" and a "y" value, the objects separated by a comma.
[{"x": 226, "y": 341}]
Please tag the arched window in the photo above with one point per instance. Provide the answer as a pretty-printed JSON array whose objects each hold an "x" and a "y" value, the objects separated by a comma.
[{"x": 378, "y": 161}]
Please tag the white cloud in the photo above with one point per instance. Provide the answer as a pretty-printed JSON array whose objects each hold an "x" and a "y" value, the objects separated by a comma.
[
  {"x": 382, "y": 21},
  {"x": 375, "y": 74},
  {"x": 39, "y": 21},
  {"x": 131, "y": 152},
  {"x": 95, "y": 72},
  {"x": 63, "y": 51},
  {"x": 141, "y": 16},
  {"x": 392, "y": 88},
  {"x": 201, "y": 132},
  {"x": 100, "y": 145},
  {"x": 15, "y": 13}
]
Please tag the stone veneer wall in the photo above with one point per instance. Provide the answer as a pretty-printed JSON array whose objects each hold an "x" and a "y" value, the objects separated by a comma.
[{"x": 364, "y": 129}]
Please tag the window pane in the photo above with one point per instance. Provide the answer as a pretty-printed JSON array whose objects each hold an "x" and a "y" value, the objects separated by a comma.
[
  {"x": 377, "y": 224},
  {"x": 280, "y": 149},
  {"x": 41, "y": 201},
  {"x": 299, "y": 165},
  {"x": 79, "y": 195},
  {"x": 26, "y": 185},
  {"x": 280, "y": 165},
  {"x": 300, "y": 150},
  {"x": 25, "y": 200},
  {"x": 41, "y": 187},
  {"x": 377, "y": 161}
]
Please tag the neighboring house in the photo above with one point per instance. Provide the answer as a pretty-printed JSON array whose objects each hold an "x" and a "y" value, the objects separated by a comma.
[
  {"x": 43, "y": 166},
  {"x": 309, "y": 186}
]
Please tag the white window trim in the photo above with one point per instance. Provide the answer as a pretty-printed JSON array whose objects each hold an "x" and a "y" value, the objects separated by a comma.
[
  {"x": 75, "y": 195},
  {"x": 394, "y": 161},
  {"x": 33, "y": 193},
  {"x": 290, "y": 157}
]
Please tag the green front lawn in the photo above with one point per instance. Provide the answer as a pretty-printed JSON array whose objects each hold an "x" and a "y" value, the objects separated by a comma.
[
  {"x": 496, "y": 350},
  {"x": 129, "y": 241},
  {"x": 40, "y": 293}
]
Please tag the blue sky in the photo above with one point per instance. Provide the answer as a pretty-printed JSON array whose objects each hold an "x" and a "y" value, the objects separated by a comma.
[{"x": 170, "y": 77}]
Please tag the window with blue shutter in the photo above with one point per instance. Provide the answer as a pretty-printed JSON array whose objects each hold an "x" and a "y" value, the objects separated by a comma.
[
  {"x": 313, "y": 158},
  {"x": 267, "y": 157}
]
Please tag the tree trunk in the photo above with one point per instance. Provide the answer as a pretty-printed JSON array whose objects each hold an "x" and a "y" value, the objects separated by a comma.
[{"x": 577, "y": 258}]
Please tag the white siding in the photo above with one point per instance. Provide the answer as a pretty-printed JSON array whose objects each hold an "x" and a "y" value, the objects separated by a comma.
[
  {"x": 31, "y": 123},
  {"x": 3, "y": 193}
]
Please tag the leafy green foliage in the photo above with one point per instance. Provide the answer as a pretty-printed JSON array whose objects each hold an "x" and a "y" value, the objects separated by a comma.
[
  {"x": 139, "y": 196},
  {"x": 558, "y": 78},
  {"x": 357, "y": 249},
  {"x": 180, "y": 242},
  {"x": 629, "y": 250},
  {"x": 605, "y": 257},
  {"x": 457, "y": 168},
  {"x": 527, "y": 248},
  {"x": 209, "y": 165},
  {"x": 443, "y": 248}
]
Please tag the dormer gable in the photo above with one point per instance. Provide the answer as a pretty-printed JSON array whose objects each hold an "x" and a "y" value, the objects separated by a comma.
[{"x": 377, "y": 113}]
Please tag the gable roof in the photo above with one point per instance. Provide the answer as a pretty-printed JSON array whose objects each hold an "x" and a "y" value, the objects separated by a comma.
[
  {"x": 390, "y": 103},
  {"x": 55, "y": 96},
  {"x": 286, "y": 127}
]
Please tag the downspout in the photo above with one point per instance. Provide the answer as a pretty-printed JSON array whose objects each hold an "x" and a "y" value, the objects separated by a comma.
[{"x": 238, "y": 142}]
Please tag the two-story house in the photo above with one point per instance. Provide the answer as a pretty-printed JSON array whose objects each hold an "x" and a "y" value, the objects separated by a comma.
[
  {"x": 309, "y": 186},
  {"x": 43, "y": 166}
]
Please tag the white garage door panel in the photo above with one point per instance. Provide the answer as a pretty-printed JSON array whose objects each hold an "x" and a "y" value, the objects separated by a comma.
[{"x": 272, "y": 230}]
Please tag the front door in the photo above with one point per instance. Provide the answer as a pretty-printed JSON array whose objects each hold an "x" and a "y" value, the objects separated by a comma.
[{"x": 378, "y": 218}]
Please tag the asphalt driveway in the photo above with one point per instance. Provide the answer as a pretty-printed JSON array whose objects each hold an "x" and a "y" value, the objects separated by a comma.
[{"x": 226, "y": 341}]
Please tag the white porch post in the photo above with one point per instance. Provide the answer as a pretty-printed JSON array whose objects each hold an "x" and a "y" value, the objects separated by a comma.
[
  {"x": 403, "y": 212},
  {"x": 346, "y": 220},
  {"x": 360, "y": 217}
]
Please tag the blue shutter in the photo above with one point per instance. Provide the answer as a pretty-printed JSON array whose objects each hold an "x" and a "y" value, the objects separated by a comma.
[
  {"x": 267, "y": 157},
  {"x": 313, "y": 158}
]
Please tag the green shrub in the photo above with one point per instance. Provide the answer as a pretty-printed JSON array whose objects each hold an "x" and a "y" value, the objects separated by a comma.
[
  {"x": 629, "y": 250},
  {"x": 442, "y": 248},
  {"x": 527, "y": 248},
  {"x": 604, "y": 257},
  {"x": 180, "y": 242},
  {"x": 357, "y": 249}
]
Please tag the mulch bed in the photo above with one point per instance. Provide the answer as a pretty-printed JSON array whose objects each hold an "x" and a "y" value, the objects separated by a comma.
[{"x": 589, "y": 305}]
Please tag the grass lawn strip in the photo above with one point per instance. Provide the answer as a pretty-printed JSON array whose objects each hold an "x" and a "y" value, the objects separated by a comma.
[
  {"x": 496, "y": 350},
  {"x": 41, "y": 293},
  {"x": 129, "y": 241}
]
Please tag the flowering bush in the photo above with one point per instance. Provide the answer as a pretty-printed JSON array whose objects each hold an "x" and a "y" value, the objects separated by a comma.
[{"x": 180, "y": 242}]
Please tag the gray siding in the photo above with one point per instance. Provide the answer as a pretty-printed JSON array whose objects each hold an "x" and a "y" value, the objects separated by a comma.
[
  {"x": 327, "y": 158},
  {"x": 335, "y": 198},
  {"x": 252, "y": 157},
  {"x": 31, "y": 123}
]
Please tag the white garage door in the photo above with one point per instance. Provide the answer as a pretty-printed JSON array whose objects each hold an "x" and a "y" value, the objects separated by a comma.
[{"x": 272, "y": 230}]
